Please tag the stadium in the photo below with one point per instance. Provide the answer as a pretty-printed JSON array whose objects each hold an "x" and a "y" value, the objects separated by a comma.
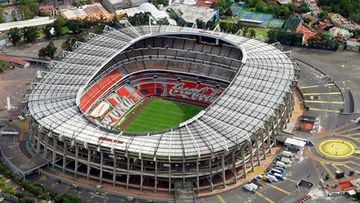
[{"x": 158, "y": 107}]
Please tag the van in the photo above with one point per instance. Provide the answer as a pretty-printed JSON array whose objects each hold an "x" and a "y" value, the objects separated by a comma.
[
  {"x": 280, "y": 169},
  {"x": 287, "y": 154},
  {"x": 285, "y": 160},
  {"x": 267, "y": 179},
  {"x": 273, "y": 178},
  {"x": 280, "y": 164},
  {"x": 279, "y": 176},
  {"x": 251, "y": 187},
  {"x": 273, "y": 170}
]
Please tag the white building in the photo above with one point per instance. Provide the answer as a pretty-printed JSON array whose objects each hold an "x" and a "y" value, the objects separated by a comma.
[
  {"x": 113, "y": 5},
  {"x": 190, "y": 13}
]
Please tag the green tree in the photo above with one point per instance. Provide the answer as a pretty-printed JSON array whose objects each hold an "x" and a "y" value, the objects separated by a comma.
[
  {"x": 4, "y": 65},
  {"x": 1, "y": 14},
  {"x": 139, "y": 19},
  {"x": 47, "y": 31},
  {"x": 303, "y": 8},
  {"x": 58, "y": 24},
  {"x": 48, "y": 51},
  {"x": 67, "y": 198},
  {"x": 252, "y": 33},
  {"x": 224, "y": 7},
  {"x": 30, "y": 34},
  {"x": 245, "y": 31},
  {"x": 272, "y": 34},
  {"x": 284, "y": 11},
  {"x": 200, "y": 23},
  {"x": 69, "y": 43},
  {"x": 323, "y": 14},
  {"x": 15, "y": 35},
  {"x": 29, "y": 8},
  {"x": 261, "y": 7}
]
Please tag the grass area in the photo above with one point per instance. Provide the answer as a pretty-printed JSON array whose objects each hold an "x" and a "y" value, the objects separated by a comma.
[
  {"x": 65, "y": 30},
  {"x": 160, "y": 114},
  {"x": 261, "y": 31}
]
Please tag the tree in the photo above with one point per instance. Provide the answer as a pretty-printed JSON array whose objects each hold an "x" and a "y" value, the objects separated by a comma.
[
  {"x": 139, "y": 19},
  {"x": 15, "y": 35},
  {"x": 30, "y": 34},
  {"x": 69, "y": 43},
  {"x": 272, "y": 34},
  {"x": 224, "y": 7},
  {"x": 4, "y": 65},
  {"x": 58, "y": 24},
  {"x": 48, "y": 51},
  {"x": 29, "y": 8},
  {"x": 252, "y": 33},
  {"x": 200, "y": 23},
  {"x": 245, "y": 31},
  {"x": 303, "y": 8},
  {"x": 1, "y": 14},
  {"x": 322, "y": 15},
  {"x": 284, "y": 11}
]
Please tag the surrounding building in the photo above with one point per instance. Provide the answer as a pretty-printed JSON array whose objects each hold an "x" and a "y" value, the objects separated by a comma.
[
  {"x": 113, "y": 5},
  {"x": 49, "y": 9},
  {"x": 93, "y": 12},
  {"x": 353, "y": 45},
  {"x": 35, "y": 22},
  {"x": 293, "y": 24},
  {"x": 190, "y": 13}
]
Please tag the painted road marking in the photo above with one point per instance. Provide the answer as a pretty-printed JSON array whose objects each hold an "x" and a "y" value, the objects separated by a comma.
[
  {"x": 321, "y": 93},
  {"x": 264, "y": 197},
  {"x": 289, "y": 179},
  {"x": 323, "y": 102},
  {"x": 336, "y": 167},
  {"x": 278, "y": 189},
  {"x": 221, "y": 199},
  {"x": 356, "y": 164},
  {"x": 324, "y": 110},
  {"x": 327, "y": 170},
  {"x": 313, "y": 86},
  {"x": 348, "y": 167}
]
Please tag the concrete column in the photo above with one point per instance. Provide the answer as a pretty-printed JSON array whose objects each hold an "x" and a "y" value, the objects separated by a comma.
[
  {"x": 251, "y": 155},
  {"x": 268, "y": 136},
  {"x": 211, "y": 175},
  {"x": 169, "y": 177},
  {"x": 197, "y": 175},
  {"x": 141, "y": 175},
  {"x": 38, "y": 143},
  {"x": 257, "y": 150},
  {"x": 263, "y": 143},
  {"x": 54, "y": 152},
  {"x": 234, "y": 166},
  {"x": 223, "y": 169},
  {"x": 76, "y": 160},
  {"x": 45, "y": 146},
  {"x": 101, "y": 166},
  {"x": 243, "y": 161},
  {"x": 156, "y": 173},
  {"x": 128, "y": 172},
  {"x": 64, "y": 157},
  {"x": 114, "y": 170},
  {"x": 88, "y": 164}
]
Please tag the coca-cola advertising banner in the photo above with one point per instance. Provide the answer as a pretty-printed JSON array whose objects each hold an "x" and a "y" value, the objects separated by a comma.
[{"x": 184, "y": 89}]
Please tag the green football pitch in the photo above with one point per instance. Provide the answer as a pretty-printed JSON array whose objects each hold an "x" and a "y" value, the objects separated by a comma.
[{"x": 160, "y": 114}]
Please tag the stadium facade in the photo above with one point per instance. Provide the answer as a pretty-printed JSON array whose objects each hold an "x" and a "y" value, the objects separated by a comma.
[{"x": 248, "y": 93}]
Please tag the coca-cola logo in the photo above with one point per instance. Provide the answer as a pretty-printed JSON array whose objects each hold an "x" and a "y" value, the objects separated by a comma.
[{"x": 205, "y": 94}]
